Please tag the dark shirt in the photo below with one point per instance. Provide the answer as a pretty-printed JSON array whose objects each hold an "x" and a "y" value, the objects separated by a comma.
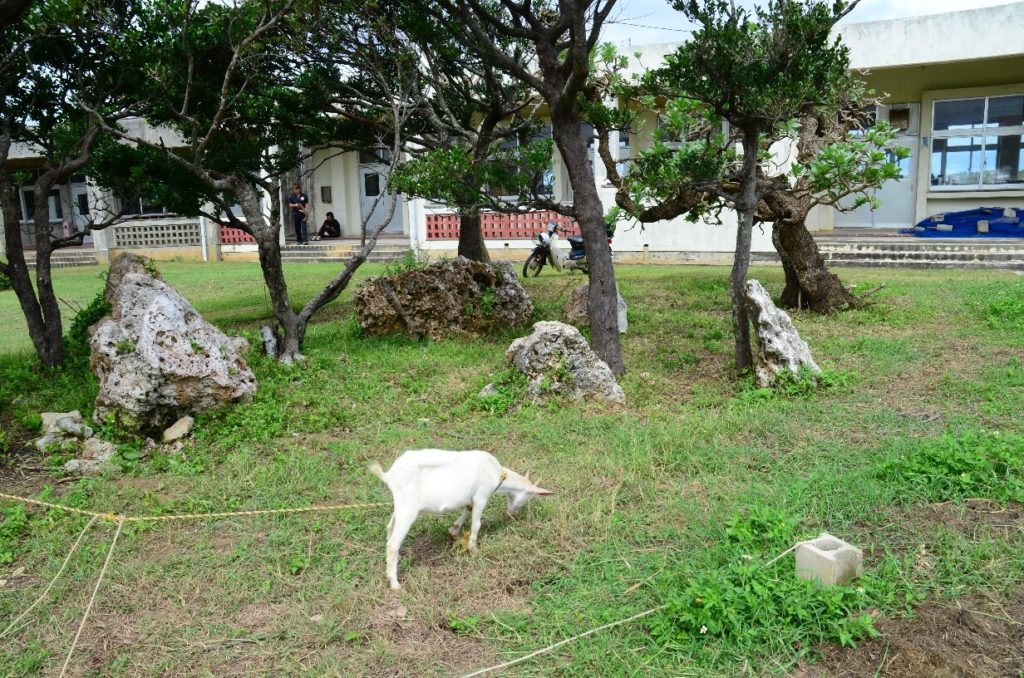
[
  {"x": 332, "y": 226},
  {"x": 301, "y": 201}
]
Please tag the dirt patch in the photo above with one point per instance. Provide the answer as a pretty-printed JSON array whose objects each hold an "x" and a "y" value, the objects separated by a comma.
[
  {"x": 261, "y": 617},
  {"x": 414, "y": 642},
  {"x": 978, "y": 637}
]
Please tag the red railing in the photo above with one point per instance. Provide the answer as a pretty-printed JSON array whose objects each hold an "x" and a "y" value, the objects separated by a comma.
[
  {"x": 497, "y": 226},
  {"x": 234, "y": 236}
]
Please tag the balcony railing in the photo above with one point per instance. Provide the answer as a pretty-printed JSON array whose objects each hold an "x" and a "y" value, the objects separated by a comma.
[
  {"x": 235, "y": 236},
  {"x": 497, "y": 226}
]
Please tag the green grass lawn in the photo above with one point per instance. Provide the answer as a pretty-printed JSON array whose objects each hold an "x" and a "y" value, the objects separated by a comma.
[{"x": 679, "y": 497}]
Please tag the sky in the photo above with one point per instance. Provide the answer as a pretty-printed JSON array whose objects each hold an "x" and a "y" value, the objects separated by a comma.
[{"x": 644, "y": 22}]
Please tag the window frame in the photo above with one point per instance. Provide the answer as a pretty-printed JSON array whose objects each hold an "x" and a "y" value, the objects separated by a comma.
[{"x": 984, "y": 132}]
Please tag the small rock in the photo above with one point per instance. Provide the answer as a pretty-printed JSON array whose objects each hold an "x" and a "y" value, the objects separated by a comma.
[
  {"x": 95, "y": 459},
  {"x": 488, "y": 391},
  {"x": 98, "y": 450},
  {"x": 316, "y": 618},
  {"x": 576, "y": 309},
  {"x": 89, "y": 467},
  {"x": 557, "y": 359},
  {"x": 62, "y": 429},
  {"x": 178, "y": 429}
]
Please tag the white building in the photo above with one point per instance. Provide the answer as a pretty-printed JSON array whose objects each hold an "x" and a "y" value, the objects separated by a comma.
[{"x": 954, "y": 87}]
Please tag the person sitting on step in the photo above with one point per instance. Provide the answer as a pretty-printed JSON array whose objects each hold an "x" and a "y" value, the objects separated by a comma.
[{"x": 329, "y": 229}]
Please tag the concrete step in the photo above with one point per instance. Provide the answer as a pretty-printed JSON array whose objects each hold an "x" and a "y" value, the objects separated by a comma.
[
  {"x": 919, "y": 255},
  {"x": 882, "y": 262},
  {"x": 939, "y": 247},
  {"x": 66, "y": 258}
]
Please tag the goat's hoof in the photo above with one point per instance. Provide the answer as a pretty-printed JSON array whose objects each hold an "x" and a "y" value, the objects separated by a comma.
[{"x": 395, "y": 586}]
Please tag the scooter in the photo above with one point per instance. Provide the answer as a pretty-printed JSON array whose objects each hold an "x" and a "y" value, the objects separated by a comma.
[{"x": 548, "y": 251}]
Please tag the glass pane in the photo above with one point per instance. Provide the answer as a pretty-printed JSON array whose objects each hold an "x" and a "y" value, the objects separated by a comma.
[
  {"x": 371, "y": 185},
  {"x": 956, "y": 161},
  {"x": 546, "y": 183},
  {"x": 623, "y": 144},
  {"x": 962, "y": 114},
  {"x": 151, "y": 208},
  {"x": 56, "y": 209},
  {"x": 1004, "y": 162},
  {"x": 587, "y": 132},
  {"x": 28, "y": 198},
  {"x": 83, "y": 203},
  {"x": 1006, "y": 111}
]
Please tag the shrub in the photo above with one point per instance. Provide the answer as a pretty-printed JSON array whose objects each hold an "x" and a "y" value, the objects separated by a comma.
[
  {"x": 757, "y": 606},
  {"x": 959, "y": 466},
  {"x": 1006, "y": 311},
  {"x": 76, "y": 341}
]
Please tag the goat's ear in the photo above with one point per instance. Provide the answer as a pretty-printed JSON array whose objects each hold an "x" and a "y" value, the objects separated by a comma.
[{"x": 540, "y": 491}]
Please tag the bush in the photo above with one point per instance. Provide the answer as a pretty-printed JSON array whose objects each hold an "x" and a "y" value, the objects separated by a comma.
[
  {"x": 957, "y": 467},
  {"x": 76, "y": 341},
  {"x": 5, "y": 283},
  {"x": 746, "y": 603},
  {"x": 1006, "y": 311}
]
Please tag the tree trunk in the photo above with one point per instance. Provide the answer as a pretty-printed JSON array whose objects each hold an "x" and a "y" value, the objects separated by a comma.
[
  {"x": 746, "y": 206},
  {"x": 602, "y": 302},
  {"x": 21, "y": 281},
  {"x": 269, "y": 248},
  {"x": 53, "y": 352},
  {"x": 809, "y": 283},
  {"x": 471, "y": 237}
]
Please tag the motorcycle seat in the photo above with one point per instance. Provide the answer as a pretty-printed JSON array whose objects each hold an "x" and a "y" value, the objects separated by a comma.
[{"x": 576, "y": 241}]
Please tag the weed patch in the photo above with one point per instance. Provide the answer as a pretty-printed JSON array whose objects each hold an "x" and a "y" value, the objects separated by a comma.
[{"x": 959, "y": 466}]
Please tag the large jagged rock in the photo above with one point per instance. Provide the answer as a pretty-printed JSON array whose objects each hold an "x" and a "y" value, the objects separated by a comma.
[
  {"x": 575, "y": 311},
  {"x": 779, "y": 346},
  {"x": 455, "y": 297},
  {"x": 556, "y": 358},
  {"x": 156, "y": 358}
]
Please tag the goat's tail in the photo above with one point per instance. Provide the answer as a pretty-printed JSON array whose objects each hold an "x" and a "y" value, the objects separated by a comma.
[{"x": 378, "y": 471}]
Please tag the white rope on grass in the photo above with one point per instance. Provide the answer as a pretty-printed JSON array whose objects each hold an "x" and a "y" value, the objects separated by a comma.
[
  {"x": 591, "y": 632},
  {"x": 92, "y": 599},
  {"x": 53, "y": 581},
  {"x": 560, "y": 643}
]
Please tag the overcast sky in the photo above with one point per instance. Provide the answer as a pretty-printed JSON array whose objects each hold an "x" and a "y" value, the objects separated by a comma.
[{"x": 652, "y": 21}]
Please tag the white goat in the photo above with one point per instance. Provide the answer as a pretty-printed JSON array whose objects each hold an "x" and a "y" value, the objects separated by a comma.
[{"x": 440, "y": 481}]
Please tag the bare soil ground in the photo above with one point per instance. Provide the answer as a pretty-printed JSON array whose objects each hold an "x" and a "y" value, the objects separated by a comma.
[{"x": 979, "y": 636}]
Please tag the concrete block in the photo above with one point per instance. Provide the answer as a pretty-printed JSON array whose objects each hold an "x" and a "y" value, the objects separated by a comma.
[
  {"x": 982, "y": 226},
  {"x": 828, "y": 560}
]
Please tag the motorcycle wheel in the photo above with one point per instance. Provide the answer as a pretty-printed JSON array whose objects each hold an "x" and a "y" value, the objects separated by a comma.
[{"x": 534, "y": 263}]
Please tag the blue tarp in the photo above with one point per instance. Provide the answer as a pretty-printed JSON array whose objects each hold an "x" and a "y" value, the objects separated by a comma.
[{"x": 984, "y": 222}]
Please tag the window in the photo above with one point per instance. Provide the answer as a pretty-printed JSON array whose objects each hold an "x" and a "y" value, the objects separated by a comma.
[
  {"x": 623, "y": 158},
  {"x": 144, "y": 206},
  {"x": 378, "y": 156},
  {"x": 976, "y": 143},
  {"x": 28, "y": 207},
  {"x": 325, "y": 194},
  {"x": 371, "y": 185}
]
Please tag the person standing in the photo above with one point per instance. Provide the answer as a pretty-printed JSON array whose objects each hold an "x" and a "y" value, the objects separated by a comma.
[{"x": 299, "y": 204}]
